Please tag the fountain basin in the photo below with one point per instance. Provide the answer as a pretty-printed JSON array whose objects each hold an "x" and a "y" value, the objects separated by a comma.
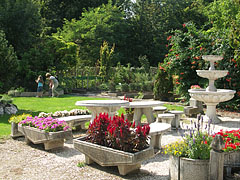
[
  {"x": 213, "y": 74},
  {"x": 212, "y": 58},
  {"x": 216, "y": 97}
]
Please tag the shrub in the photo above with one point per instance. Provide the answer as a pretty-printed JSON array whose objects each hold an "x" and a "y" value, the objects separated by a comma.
[
  {"x": 163, "y": 85},
  {"x": 118, "y": 133},
  {"x": 18, "y": 118}
]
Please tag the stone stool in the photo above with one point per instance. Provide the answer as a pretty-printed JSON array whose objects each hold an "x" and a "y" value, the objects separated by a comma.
[
  {"x": 159, "y": 110},
  {"x": 166, "y": 118},
  {"x": 156, "y": 132},
  {"x": 176, "y": 121}
]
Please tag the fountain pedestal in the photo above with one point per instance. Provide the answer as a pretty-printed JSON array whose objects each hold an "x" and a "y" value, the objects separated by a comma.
[{"x": 212, "y": 96}]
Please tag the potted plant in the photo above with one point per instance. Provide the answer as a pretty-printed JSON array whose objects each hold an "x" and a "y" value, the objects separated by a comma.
[
  {"x": 14, "y": 120},
  {"x": 189, "y": 159},
  {"x": 115, "y": 142},
  {"x": 49, "y": 131}
]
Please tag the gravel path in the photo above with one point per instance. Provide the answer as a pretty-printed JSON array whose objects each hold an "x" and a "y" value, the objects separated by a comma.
[{"x": 19, "y": 161}]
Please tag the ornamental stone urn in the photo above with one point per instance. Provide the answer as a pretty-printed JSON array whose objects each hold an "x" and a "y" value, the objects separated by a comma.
[{"x": 105, "y": 156}]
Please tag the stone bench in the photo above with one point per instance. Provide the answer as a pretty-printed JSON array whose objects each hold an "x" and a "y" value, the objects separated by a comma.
[
  {"x": 166, "y": 118},
  {"x": 156, "y": 132},
  {"x": 176, "y": 121},
  {"x": 159, "y": 110},
  {"x": 75, "y": 121}
]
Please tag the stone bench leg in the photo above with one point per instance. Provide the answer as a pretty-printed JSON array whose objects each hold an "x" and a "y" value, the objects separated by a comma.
[
  {"x": 176, "y": 121},
  {"x": 155, "y": 141},
  {"x": 125, "y": 169},
  {"x": 54, "y": 144},
  {"x": 149, "y": 114},
  {"x": 137, "y": 116},
  {"x": 88, "y": 160}
]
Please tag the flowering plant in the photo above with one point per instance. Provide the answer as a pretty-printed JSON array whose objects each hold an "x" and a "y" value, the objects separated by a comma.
[
  {"x": 195, "y": 87},
  {"x": 118, "y": 133},
  {"x": 196, "y": 142},
  {"x": 18, "y": 118},
  {"x": 47, "y": 124},
  {"x": 231, "y": 139}
]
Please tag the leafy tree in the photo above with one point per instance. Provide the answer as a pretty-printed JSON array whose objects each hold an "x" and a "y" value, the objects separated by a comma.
[
  {"x": 105, "y": 23},
  {"x": 55, "y": 11},
  {"x": 8, "y": 64},
  {"x": 21, "y": 22},
  {"x": 51, "y": 54}
]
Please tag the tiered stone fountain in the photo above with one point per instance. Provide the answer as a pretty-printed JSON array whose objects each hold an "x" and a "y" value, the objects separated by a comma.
[{"x": 212, "y": 96}]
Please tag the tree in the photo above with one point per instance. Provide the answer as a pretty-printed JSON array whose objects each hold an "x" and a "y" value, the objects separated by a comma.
[
  {"x": 8, "y": 64},
  {"x": 55, "y": 11},
  {"x": 105, "y": 23},
  {"x": 21, "y": 22}
]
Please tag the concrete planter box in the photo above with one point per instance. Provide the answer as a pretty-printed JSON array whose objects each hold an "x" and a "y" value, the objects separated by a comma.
[
  {"x": 50, "y": 140},
  {"x": 188, "y": 169},
  {"x": 14, "y": 130},
  {"x": 104, "y": 156}
]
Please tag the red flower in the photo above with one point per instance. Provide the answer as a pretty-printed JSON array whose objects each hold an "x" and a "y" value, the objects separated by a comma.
[
  {"x": 190, "y": 48},
  {"x": 184, "y": 25},
  {"x": 233, "y": 60},
  {"x": 181, "y": 73},
  {"x": 169, "y": 37},
  {"x": 205, "y": 142},
  {"x": 166, "y": 45},
  {"x": 177, "y": 82},
  {"x": 201, "y": 48}
]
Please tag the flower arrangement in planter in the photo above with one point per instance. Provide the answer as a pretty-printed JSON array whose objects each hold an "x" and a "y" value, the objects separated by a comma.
[
  {"x": 190, "y": 157},
  {"x": 49, "y": 131},
  {"x": 231, "y": 140},
  {"x": 14, "y": 120},
  {"x": 195, "y": 87},
  {"x": 115, "y": 142}
]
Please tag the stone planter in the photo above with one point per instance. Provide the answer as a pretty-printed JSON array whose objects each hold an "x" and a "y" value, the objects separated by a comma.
[
  {"x": 188, "y": 169},
  {"x": 50, "y": 140},
  {"x": 14, "y": 130},
  {"x": 104, "y": 156}
]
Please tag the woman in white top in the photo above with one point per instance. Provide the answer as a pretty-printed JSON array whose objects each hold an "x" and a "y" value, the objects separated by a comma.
[{"x": 53, "y": 84}]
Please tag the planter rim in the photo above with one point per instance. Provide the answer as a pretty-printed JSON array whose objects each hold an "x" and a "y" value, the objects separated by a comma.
[
  {"x": 82, "y": 140},
  {"x": 190, "y": 159}
]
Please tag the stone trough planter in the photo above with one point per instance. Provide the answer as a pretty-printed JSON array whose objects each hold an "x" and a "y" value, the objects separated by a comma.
[
  {"x": 104, "y": 156},
  {"x": 50, "y": 140},
  {"x": 14, "y": 130}
]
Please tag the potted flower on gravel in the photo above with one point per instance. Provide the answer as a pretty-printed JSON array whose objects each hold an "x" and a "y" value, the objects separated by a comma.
[
  {"x": 189, "y": 159},
  {"x": 14, "y": 120},
  {"x": 49, "y": 131},
  {"x": 115, "y": 142}
]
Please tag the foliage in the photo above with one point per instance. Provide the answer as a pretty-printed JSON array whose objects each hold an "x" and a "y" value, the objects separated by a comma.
[
  {"x": 117, "y": 133},
  {"x": 8, "y": 64},
  {"x": 196, "y": 142},
  {"x": 5, "y": 99},
  {"x": 21, "y": 22},
  {"x": 163, "y": 85},
  {"x": 231, "y": 139},
  {"x": 105, "y": 60},
  {"x": 18, "y": 118},
  {"x": 105, "y": 23},
  {"x": 47, "y": 124},
  {"x": 55, "y": 11}
]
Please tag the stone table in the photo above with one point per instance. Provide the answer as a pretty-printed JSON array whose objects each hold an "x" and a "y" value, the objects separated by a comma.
[
  {"x": 100, "y": 106},
  {"x": 143, "y": 107},
  {"x": 176, "y": 121}
]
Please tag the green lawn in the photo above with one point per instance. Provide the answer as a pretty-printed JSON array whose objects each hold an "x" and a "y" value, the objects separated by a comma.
[{"x": 34, "y": 106}]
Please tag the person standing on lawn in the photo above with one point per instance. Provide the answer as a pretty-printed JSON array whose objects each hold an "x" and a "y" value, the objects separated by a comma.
[
  {"x": 53, "y": 84},
  {"x": 40, "y": 82}
]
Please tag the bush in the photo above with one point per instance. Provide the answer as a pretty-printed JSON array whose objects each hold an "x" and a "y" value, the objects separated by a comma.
[
  {"x": 118, "y": 133},
  {"x": 18, "y": 118},
  {"x": 163, "y": 85}
]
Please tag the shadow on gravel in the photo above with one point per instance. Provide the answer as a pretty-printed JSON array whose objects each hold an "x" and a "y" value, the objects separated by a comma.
[{"x": 135, "y": 175}]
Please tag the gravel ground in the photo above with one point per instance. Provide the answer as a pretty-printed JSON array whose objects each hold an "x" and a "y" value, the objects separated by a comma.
[{"x": 19, "y": 161}]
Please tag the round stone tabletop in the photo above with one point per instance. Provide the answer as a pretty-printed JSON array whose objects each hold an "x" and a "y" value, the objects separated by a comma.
[
  {"x": 166, "y": 115},
  {"x": 145, "y": 104},
  {"x": 159, "y": 127},
  {"x": 102, "y": 103}
]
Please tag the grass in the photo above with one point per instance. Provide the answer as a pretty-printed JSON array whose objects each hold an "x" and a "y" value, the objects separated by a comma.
[{"x": 34, "y": 106}]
